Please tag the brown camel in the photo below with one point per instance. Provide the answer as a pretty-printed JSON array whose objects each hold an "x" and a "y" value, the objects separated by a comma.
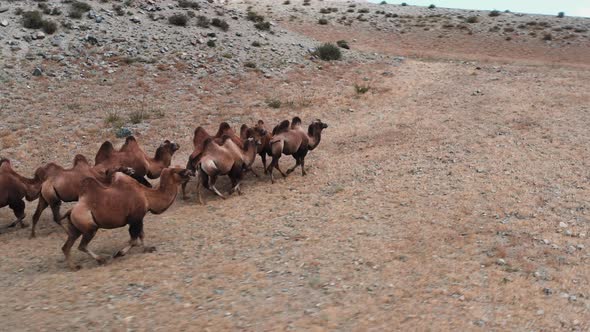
[
  {"x": 64, "y": 185},
  {"x": 293, "y": 140},
  {"x": 14, "y": 187},
  {"x": 265, "y": 137},
  {"x": 226, "y": 159},
  {"x": 201, "y": 135},
  {"x": 131, "y": 155},
  {"x": 124, "y": 202}
]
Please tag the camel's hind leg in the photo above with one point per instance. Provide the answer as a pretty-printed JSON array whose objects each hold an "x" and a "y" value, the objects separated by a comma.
[
  {"x": 41, "y": 206},
  {"x": 83, "y": 247},
  {"x": 297, "y": 163},
  {"x": 73, "y": 235},
  {"x": 212, "y": 180},
  {"x": 263, "y": 157},
  {"x": 18, "y": 207},
  {"x": 303, "y": 172}
]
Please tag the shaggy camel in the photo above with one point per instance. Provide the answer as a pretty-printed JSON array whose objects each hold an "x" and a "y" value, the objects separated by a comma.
[
  {"x": 265, "y": 137},
  {"x": 63, "y": 185},
  {"x": 226, "y": 159},
  {"x": 15, "y": 187},
  {"x": 293, "y": 140},
  {"x": 131, "y": 155},
  {"x": 200, "y": 136},
  {"x": 124, "y": 202}
]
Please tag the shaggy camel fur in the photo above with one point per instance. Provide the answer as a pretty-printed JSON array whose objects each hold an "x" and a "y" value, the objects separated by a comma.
[
  {"x": 200, "y": 136},
  {"x": 265, "y": 137},
  {"x": 131, "y": 155},
  {"x": 14, "y": 187},
  {"x": 64, "y": 185},
  {"x": 293, "y": 140},
  {"x": 226, "y": 159},
  {"x": 124, "y": 202}
]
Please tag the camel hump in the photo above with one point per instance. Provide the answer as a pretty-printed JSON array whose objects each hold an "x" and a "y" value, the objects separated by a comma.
[
  {"x": 281, "y": 128},
  {"x": 243, "y": 131},
  {"x": 104, "y": 152},
  {"x": 80, "y": 160},
  {"x": 200, "y": 136},
  {"x": 130, "y": 143},
  {"x": 295, "y": 122}
]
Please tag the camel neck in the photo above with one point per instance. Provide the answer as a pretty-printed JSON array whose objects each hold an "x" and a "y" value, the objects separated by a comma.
[
  {"x": 315, "y": 136},
  {"x": 161, "y": 198},
  {"x": 32, "y": 186}
]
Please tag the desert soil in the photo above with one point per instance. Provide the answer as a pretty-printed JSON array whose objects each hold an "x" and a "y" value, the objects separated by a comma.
[{"x": 453, "y": 195}]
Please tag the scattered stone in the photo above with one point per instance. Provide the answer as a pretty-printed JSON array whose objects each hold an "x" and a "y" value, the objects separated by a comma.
[
  {"x": 37, "y": 71},
  {"x": 4, "y": 23},
  {"x": 501, "y": 261},
  {"x": 135, "y": 19},
  {"x": 562, "y": 224},
  {"x": 39, "y": 35},
  {"x": 547, "y": 291}
]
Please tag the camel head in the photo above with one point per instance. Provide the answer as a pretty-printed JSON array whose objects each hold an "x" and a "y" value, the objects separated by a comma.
[
  {"x": 318, "y": 124},
  {"x": 254, "y": 134},
  {"x": 166, "y": 150},
  {"x": 179, "y": 175}
]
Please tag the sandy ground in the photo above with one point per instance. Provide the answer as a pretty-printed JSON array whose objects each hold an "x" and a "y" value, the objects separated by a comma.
[{"x": 451, "y": 196}]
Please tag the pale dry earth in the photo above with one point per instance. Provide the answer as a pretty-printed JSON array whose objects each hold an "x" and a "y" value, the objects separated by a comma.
[{"x": 451, "y": 196}]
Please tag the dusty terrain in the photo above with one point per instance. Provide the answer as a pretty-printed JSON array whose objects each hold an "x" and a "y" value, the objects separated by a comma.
[{"x": 450, "y": 196}]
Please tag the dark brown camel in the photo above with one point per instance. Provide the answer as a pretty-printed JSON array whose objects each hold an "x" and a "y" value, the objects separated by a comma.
[
  {"x": 124, "y": 202},
  {"x": 14, "y": 187},
  {"x": 293, "y": 140},
  {"x": 132, "y": 155},
  {"x": 226, "y": 159},
  {"x": 265, "y": 137},
  {"x": 64, "y": 185}
]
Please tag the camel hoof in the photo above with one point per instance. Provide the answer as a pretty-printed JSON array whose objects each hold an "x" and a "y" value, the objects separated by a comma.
[
  {"x": 24, "y": 225},
  {"x": 149, "y": 249},
  {"x": 118, "y": 254},
  {"x": 75, "y": 268},
  {"x": 101, "y": 260}
]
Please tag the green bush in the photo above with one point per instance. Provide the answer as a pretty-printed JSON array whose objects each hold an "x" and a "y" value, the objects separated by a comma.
[
  {"x": 203, "y": 21},
  {"x": 343, "y": 44},
  {"x": 254, "y": 17},
  {"x": 178, "y": 19},
  {"x": 49, "y": 27},
  {"x": 221, "y": 24},
  {"x": 81, "y": 6},
  {"x": 328, "y": 52},
  {"x": 188, "y": 4},
  {"x": 322, "y": 21},
  {"x": 32, "y": 19},
  {"x": 494, "y": 13},
  {"x": 262, "y": 25},
  {"x": 472, "y": 19},
  {"x": 431, "y": 6},
  {"x": 211, "y": 43},
  {"x": 560, "y": 14}
]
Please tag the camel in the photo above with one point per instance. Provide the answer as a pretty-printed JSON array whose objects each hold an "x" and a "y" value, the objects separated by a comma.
[
  {"x": 15, "y": 187},
  {"x": 131, "y": 155},
  {"x": 200, "y": 136},
  {"x": 226, "y": 159},
  {"x": 124, "y": 202},
  {"x": 64, "y": 185},
  {"x": 293, "y": 140},
  {"x": 265, "y": 137}
]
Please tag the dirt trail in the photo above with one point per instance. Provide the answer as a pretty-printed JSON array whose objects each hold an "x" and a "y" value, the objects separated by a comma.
[{"x": 425, "y": 207}]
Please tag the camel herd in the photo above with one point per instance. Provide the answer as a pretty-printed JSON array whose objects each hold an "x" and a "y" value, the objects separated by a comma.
[{"x": 115, "y": 192}]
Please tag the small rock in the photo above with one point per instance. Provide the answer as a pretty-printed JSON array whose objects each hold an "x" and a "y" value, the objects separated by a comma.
[
  {"x": 580, "y": 247},
  {"x": 562, "y": 224},
  {"x": 540, "y": 312},
  {"x": 4, "y": 23},
  {"x": 37, "y": 71},
  {"x": 547, "y": 291},
  {"x": 501, "y": 261},
  {"x": 135, "y": 19},
  {"x": 39, "y": 35},
  {"x": 572, "y": 298}
]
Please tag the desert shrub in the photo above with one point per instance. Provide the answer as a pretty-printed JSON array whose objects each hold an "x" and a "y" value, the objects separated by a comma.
[
  {"x": 404, "y": 4},
  {"x": 322, "y": 21},
  {"x": 113, "y": 118},
  {"x": 494, "y": 13},
  {"x": 203, "y": 21},
  {"x": 32, "y": 19},
  {"x": 178, "y": 19},
  {"x": 472, "y": 19},
  {"x": 137, "y": 117},
  {"x": 432, "y": 6},
  {"x": 254, "y": 17},
  {"x": 250, "y": 64},
  {"x": 262, "y": 25},
  {"x": 211, "y": 43},
  {"x": 75, "y": 13},
  {"x": 328, "y": 52},
  {"x": 80, "y": 6},
  {"x": 350, "y": 10},
  {"x": 361, "y": 89},
  {"x": 560, "y": 14},
  {"x": 363, "y": 10},
  {"x": 188, "y": 4},
  {"x": 547, "y": 36},
  {"x": 343, "y": 44},
  {"x": 325, "y": 11},
  {"x": 286, "y": 2},
  {"x": 306, "y": 2},
  {"x": 383, "y": 2},
  {"x": 55, "y": 11},
  {"x": 256, "y": 44},
  {"x": 221, "y": 24},
  {"x": 118, "y": 10},
  {"x": 274, "y": 103},
  {"x": 49, "y": 27}
]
